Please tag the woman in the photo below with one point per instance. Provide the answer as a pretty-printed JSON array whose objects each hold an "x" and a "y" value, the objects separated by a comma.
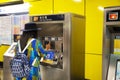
[{"x": 32, "y": 50}]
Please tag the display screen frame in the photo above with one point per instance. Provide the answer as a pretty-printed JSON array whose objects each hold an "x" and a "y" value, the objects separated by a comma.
[
  {"x": 117, "y": 12},
  {"x": 11, "y": 3}
]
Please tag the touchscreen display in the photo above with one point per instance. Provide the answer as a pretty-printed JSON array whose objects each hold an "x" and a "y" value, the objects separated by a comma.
[{"x": 117, "y": 76}]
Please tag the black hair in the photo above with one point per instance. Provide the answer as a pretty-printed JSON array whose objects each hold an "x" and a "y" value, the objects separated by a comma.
[
  {"x": 46, "y": 42},
  {"x": 25, "y": 36},
  {"x": 52, "y": 44}
]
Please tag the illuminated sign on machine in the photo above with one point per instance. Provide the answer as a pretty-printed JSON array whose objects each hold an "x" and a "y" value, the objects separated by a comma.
[{"x": 113, "y": 16}]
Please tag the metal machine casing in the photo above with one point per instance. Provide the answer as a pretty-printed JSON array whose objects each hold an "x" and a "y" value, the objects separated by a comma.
[
  {"x": 111, "y": 30},
  {"x": 73, "y": 45}
]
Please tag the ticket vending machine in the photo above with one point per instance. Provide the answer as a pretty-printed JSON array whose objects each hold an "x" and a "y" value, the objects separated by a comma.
[
  {"x": 66, "y": 33},
  {"x": 111, "y": 61}
]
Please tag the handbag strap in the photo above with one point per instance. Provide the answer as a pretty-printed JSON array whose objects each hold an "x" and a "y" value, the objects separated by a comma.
[{"x": 19, "y": 46}]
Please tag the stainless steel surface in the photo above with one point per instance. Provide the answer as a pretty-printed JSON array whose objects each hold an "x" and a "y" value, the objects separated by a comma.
[
  {"x": 106, "y": 53},
  {"x": 112, "y": 66},
  {"x": 77, "y": 62},
  {"x": 112, "y": 8},
  {"x": 113, "y": 23},
  {"x": 6, "y": 69}
]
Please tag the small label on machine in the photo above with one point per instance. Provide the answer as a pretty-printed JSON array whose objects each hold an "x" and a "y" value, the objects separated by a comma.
[{"x": 45, "y": 18}]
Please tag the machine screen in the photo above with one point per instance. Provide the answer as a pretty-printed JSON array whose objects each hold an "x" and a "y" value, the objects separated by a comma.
[
  {"x": 117, "y": 76},
  {"x": 54, "y": 49}
]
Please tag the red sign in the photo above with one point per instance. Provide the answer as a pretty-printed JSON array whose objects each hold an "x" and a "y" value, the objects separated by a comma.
[{"x": 113, "y": 16}]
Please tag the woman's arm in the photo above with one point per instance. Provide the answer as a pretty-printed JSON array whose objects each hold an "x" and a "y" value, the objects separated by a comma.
[{"x": 41, "y": 50}]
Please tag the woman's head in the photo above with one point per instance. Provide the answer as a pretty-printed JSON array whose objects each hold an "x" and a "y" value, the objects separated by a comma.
[{"x": 30, "y": 31}]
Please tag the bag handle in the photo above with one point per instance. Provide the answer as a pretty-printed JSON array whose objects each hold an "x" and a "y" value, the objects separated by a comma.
[{"x": 25, "y": 46}]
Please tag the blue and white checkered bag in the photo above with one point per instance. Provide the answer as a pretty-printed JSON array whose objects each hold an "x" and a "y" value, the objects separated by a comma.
[{"x": 20, "y": 66}]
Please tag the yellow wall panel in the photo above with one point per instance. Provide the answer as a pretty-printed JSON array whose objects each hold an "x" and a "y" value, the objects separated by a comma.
[
  {"x": 2, "y": 51},
  {"x": 2, "y": 1},
  {"x": 41, "y": 7},
  {"x": 94, "y": 23},
  {"x": 93, "y": 67},
  {"x": 74, "y": 6},
  {"x": 26, "y": 0}
]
